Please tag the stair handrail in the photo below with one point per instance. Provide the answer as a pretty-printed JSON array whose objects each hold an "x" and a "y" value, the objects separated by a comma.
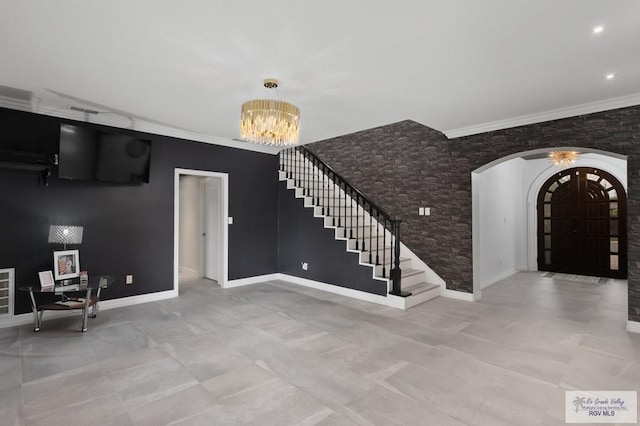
[
  {"x": 327, "y": 167},
  {"x": 382, "y": 217}
]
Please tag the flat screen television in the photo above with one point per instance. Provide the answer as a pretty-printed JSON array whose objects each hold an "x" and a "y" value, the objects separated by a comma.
[{"x": 86, "y": 153}]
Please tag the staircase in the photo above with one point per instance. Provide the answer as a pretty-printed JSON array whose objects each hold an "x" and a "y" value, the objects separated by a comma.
[{"x": 365, "y": 228}]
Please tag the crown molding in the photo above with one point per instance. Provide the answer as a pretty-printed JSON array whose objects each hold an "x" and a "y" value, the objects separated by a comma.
[
  {"x": 554, "y": 114},
  {"x": 108, "y": 118}
]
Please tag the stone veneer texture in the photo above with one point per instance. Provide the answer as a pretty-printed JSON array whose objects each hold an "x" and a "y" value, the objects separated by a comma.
[{"x": 405, "y": 165}]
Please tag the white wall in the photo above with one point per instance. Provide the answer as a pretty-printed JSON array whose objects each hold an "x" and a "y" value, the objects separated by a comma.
[
  {"x": 189, "y": 244},
  {"x": 500, "y": 222}
]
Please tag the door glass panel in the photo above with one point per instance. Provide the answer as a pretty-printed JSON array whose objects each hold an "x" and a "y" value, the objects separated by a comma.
[
  {"x": 547, "y": 257},
  {"x": 547, "y": 210},
  {"x": 613, "y": 227},
  {"x": 613, "y": 209},
  {"x": 547, "y": 241},
  {"x": 605, "y": 184},
  {"x": 553, "y": 186},
  {"x": 613, "y": 244},
  {"x": 547, "y": 226},
  {"x": 547, "y": 197},
  {"x": 614, "y": 262},
  {"x": 613, "y": 195},
  {"x": 593, "y": 177},
  {"x": 564, "y": 179}
]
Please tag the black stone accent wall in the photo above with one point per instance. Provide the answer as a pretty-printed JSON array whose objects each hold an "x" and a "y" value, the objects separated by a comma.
[{"x": 406, "y": 165}]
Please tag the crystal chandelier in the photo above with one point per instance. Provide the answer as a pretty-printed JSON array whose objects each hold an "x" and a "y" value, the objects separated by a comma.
[
  {"x": 269, "y": 121},
  {"x": 563, "y": 158}
]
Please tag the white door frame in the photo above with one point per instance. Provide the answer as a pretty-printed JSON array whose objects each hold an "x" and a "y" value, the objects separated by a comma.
[
  {"x": 210, "y": 208},
  {"x": 224, "y": 197}
]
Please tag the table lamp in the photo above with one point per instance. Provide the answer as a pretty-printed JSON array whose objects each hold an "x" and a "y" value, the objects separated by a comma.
[{"x": 63, "y": 234}]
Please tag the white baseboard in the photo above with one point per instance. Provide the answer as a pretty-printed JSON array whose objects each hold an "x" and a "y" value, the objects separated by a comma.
[
  {"x": 27, "y": 318},
  {"x": 391, "y": 301},
  {"x": 251, "y": 280},
  {"x": 633, "y": 326},
  {"x": 136, "y": 300},
  {"x": 461, "y": 295}
]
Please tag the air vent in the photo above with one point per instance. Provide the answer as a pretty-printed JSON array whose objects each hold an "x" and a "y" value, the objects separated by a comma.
[{"x": 84, "y": 110}]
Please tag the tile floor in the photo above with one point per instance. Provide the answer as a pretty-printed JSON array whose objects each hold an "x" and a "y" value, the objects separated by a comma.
[{"x": 280, "y": 354}]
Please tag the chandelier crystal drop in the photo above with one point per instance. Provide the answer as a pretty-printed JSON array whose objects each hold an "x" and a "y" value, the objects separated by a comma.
[
  {"x": 269, "y": 121},
  {"x": 563, "y": 158}
]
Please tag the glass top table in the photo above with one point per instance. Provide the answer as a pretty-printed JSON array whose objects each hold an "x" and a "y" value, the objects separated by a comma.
[{"x": 74, "y": 294}]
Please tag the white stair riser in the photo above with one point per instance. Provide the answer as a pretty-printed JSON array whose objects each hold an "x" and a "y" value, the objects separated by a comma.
[
  {"x": 404, "y": 264},
  {"x": 412, "y": 279},
  {"x": 319, "y": 195},
  {"x": 351, "y": 222},
  {"x": 407, "y": 279},
  {"x": 369, "y": 243},
  {"x": 383, "y": 255},
  {"x": 310, "y": 179},
  {"x": 367, "y": 230},
  {"x": 343, "y": 212},
  {"x": 366, "y": 233},
  {"x": 421, "y": 297}
]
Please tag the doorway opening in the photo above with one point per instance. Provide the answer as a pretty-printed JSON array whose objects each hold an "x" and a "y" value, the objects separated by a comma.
[
  {"x": 582, "y": 226},
  {"x": 504, "y": 214},
  {"x": 200, "y": 226}
]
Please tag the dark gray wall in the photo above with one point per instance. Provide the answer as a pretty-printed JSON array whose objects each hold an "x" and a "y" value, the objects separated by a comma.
[
  {"x": 130, "y": 229},
  {"x": 404, "y": 166},
  {"x": 303, "y": 238}
]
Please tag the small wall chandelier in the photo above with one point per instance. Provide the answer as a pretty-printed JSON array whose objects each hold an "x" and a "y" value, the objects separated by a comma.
[
  {"x": 563, "y": 158},
  {"x": 269, "y": 121}
]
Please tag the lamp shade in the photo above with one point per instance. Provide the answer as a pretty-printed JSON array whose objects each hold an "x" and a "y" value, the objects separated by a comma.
[{"x": 63, "y": 234}]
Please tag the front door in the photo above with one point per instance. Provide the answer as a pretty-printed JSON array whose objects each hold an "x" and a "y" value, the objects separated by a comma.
[{"x": 582, "y": 224}]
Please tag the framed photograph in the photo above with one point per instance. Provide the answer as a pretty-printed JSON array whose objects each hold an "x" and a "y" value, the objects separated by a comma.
[
  {"x": 66, "y": 264},
  {"x": 46, "y": 279}
]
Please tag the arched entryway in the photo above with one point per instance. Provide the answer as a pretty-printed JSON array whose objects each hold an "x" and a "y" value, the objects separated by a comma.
[{"x": 582, "y": 224}]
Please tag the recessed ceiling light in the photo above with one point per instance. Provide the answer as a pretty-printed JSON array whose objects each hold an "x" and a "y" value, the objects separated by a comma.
[
  {"x": 598, "y": 29},
  {"x": 610, "y": 76}
]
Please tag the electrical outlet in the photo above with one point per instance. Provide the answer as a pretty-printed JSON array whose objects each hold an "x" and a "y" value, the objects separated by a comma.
[
  {"x": 305, "y": 266},
  {"x": 129, "y": 279}
]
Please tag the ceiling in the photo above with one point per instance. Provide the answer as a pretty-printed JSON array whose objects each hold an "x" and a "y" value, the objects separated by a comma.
[{"x": 185, "y": 68}]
